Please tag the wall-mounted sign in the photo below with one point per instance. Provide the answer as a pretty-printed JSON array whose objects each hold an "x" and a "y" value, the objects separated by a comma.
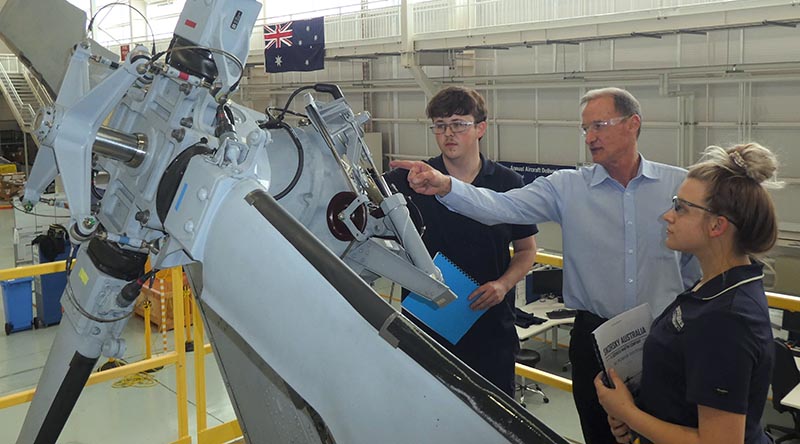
[{"x": 530, "y": 171}]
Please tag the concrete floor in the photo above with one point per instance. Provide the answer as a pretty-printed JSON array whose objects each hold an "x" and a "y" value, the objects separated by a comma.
[
  {"x": 103, "y": 414},
  {"x": 148, "y": 415}
]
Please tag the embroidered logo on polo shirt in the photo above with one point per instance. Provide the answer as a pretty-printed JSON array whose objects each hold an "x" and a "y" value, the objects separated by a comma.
[{"x": 677, "y": 319}]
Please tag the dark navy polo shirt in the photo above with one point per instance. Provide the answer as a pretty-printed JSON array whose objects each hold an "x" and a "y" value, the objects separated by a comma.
[
  {"x": 712, "y": 347},
  {"x": 480, "y": 250}
]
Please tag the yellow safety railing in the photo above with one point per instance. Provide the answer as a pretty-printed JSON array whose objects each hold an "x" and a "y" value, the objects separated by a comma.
[
  {"x": 177, "y": 357},
  {"x": 230, "y": 430},
  {"x": 774, "y": 300},
  {"x": 554, "y": 260},
  {"x": 207, "y": 435},
  {"x": 32, "y": 270}
]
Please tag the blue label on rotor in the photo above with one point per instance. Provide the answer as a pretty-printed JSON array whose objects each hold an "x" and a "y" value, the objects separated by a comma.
[{"x": 180, "y": 197}]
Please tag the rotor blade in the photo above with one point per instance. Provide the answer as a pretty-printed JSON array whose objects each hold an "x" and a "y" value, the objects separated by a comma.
[{"x": 42, "y": 33}]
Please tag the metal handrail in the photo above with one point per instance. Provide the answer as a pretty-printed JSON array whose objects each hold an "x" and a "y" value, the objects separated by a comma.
[
  {"x": 41, "y": 94},
  {"x": 14, "y": 99},
  {"x": 345, "y": 26}
]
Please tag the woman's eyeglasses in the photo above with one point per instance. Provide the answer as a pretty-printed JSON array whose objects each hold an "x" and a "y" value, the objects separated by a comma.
[{"x": 679, "y": 205}]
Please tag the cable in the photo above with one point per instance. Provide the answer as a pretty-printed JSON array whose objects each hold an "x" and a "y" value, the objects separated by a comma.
[
  {"x": 300, "y": 161},
  {"x": 290, "y": 99},
  {"x": 152, "y": 34},
  {"x": 222, "y": 52},
  {"x": 71, "y": 296},
  {"x": 112, "y": 363},
  {"x": 294, "y": 113},
  {"x": 138, "y": 282},
  {"x": 73, "y": 254},
  {"x": 34, "y": 214},
  {"x": 138, "y": 380},
  {"x": 277, "y": 122}
]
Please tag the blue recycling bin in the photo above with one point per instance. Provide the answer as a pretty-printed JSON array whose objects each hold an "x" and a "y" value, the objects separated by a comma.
[
  {"x": 48, "y": 303},
  {"x": 17, "y": 304},
  {"x": 53, "y": 246}
]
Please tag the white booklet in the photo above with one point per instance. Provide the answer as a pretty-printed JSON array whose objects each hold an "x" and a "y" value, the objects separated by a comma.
[{"x": 619, "y": 343}]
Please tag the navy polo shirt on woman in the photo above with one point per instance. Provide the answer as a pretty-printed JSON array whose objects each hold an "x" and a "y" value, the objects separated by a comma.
[
  {"x": 489, "y": 347},
  {"x": 711, "y": 347}
]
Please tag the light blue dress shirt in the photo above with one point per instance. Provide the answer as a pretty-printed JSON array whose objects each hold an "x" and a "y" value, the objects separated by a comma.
[{"x": 613, "y": 237}]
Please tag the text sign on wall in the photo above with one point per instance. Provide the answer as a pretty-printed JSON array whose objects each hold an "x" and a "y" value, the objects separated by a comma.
[{"x": 530, "y": 171}]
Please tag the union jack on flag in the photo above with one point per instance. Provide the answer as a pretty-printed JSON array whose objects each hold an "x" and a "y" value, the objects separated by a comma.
[
  {"x": 298, "y": 45},
  {"x": 277, "y": 35}
]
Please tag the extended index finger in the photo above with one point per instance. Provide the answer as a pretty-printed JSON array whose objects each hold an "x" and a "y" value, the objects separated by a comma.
[{"x": 406, "y": 164}]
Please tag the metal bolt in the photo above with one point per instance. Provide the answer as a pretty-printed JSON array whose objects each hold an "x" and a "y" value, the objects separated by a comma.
[
  {"x": 142, "y": 216},
  {"x": 187, "y": 122},
  {"x": 178, "y": 134},
  {"x": 89, "y": 222}
]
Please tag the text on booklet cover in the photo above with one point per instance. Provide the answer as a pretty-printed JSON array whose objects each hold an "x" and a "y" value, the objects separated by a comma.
[{"x": 619, "y": 344}]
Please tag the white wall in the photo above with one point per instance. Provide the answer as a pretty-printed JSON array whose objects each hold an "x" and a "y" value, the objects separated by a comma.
[{"x": 533, "y": 93}]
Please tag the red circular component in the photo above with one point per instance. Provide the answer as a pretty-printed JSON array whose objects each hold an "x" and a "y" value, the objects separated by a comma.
[{"x": 339, "y": 203}]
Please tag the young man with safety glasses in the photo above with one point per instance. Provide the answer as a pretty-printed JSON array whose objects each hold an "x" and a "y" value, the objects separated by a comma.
[{"x": 458, "y": 117}]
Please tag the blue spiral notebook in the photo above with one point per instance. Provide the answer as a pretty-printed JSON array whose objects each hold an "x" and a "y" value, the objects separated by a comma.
[{"x": 454, "y": 319}]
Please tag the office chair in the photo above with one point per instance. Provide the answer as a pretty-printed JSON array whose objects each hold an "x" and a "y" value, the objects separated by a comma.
[
  {"x": 530, "y": 358},
  {"x": 785, "y": 376}
]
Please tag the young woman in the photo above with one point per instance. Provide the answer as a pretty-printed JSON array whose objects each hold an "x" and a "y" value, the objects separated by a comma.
[{"x": 708, "y": 358}]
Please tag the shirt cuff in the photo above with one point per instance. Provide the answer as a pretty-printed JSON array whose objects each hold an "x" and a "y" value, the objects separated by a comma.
[{"x": 456, "y": 191}]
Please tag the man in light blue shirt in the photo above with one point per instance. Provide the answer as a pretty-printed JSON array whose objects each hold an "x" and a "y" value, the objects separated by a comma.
[{"x": 613, "y": 234}]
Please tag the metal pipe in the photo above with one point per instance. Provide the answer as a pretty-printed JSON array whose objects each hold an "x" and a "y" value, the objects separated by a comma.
[{"x": 127, "y": 148}]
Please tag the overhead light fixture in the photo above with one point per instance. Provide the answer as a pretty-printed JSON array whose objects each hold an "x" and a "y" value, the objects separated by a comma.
[
  {"x": 646, "y": 34},
  {"x": 562, "y": 42},
  {"x": 774, "y": 23}
]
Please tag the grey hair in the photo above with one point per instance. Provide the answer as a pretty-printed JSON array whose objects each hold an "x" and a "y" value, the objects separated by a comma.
[{"x": 624, "y": 102}]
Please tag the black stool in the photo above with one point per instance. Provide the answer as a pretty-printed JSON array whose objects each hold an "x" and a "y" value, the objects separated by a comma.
[{"x": 529, "y": 358}]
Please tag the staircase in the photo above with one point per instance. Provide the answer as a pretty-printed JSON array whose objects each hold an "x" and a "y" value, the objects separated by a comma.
[{"x": 23, "y": 93}]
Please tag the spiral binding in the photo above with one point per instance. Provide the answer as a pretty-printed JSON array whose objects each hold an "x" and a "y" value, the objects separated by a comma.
[{"x": 453, "y": 264}]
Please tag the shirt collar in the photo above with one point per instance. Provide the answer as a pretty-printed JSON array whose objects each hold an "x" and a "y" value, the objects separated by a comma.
[
  {"x": 735, "y": 277},
  {"x": 646, "y": 169},
  {"x": 487, "y": 166}
]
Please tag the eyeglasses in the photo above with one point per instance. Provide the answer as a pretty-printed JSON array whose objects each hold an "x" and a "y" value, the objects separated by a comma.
[
  {"x": 599, "y": 125},
  {"x": 458, "y": 126},
  {"x": 679, "y": 205}
]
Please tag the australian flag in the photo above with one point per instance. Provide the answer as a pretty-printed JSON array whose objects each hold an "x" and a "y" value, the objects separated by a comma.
[{"x": 298, "y": 45}]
